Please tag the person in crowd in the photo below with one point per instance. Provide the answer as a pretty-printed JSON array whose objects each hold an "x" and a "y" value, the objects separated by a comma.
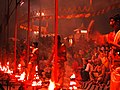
[
  {"x": 33, "y": 60},
  {"x": 34, "y": 50},
  {"x": 76, "y": 64},
  {"x": 85, "y": 70},
  {"x": 104, "y": 58},
  {"x": 61, "y": 53},
  {"x": 98, "y": 73},
  {"x": 115, "y": 42},
  {"x": 42, "y": 65},
  {"x": 114, "y": 54},
  {"x": 1, "y": 87}
]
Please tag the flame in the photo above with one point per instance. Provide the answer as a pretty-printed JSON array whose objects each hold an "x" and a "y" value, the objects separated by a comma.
[
  {"x": 22, "y": 77},
  {"x": 36, "y": 68},
  {"x": 6, "y": 68},
  {"x": 19, "y": 66},
  {"x": 73, "y": 84},
  {"x": 35, "y": 83},
  {"x": 9, "y": 71},
  {"x": 39, "y": 83},
  {"x": 51, "y": 85},
  {"x": 37, "y": 77},
  {"x": 73, "y": 76}
]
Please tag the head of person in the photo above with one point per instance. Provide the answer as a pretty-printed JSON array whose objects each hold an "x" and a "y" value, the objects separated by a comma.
[
  {"x": 115, "y": 22},
  {"x": 35, "y": 44},
  {"x": 58, "y": 38},
  {"x": 85, "y": 61},
  {"x": 112, "y": 21}
]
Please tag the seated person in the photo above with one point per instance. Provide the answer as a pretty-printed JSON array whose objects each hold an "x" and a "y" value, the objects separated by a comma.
[
  {"x": 85, "y": 71},
  {"x": 98, "y": 74}
]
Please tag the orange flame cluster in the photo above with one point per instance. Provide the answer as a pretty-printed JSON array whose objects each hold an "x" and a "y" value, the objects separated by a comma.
[
  {"x": 6, "y": 68},
  {"x": 35, "y": 83},
  {"x": 73, "y": 84},
  {"x": 21, "y": 77}
]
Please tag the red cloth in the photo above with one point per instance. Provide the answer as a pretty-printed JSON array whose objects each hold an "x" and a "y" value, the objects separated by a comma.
[
  {"x": 75, "y": 65},
  {"x": 111, "y": 36},
  {"x": 115, "y": 79}
]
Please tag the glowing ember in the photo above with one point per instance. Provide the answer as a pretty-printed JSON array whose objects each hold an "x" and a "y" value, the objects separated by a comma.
[{"x": 51, "y": 86}]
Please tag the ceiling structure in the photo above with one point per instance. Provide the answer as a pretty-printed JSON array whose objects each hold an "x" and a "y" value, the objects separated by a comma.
[{"x": 72, "y": 13}]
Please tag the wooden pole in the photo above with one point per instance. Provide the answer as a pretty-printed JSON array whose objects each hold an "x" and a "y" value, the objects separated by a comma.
[
  {"x": 39, "y": 28},
  {"x": 91, "y": 1},
  {"x": 56, "y": 44},
  {"x": 28, "y": 34},
  {"x": 7, "y": 37},
  {"x": 15, "y": 36}
]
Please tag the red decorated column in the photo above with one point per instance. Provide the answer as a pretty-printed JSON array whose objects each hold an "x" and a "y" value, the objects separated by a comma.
[
  {"x": 28, "y": 33},
  {"x": 15, "y": 36},
  {"x": 56, "y": 33}
]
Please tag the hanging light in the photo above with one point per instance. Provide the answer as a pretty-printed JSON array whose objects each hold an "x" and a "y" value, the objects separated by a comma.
[
  {"x": 83, "y": 31},
  {"x": 21, "y": 2},
  {"x": 42, "y": 14}
]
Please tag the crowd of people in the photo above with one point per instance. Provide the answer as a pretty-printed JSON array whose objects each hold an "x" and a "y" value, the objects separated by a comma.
[
  {"x": 100, "y": 61},
  {"x": 88, "y": 60}
]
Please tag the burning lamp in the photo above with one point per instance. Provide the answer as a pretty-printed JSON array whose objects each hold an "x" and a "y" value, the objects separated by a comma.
[
  {"x": 73, "y": 84},
  {"x": 19, "y": 2},
  {"x": 83, "y": 31}
]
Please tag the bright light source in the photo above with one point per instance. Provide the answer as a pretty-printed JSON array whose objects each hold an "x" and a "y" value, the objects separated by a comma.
[
  {"x": 36, "y": 32},
  {"x": 42, "y": 14},
  {"x": 70, "y": 42},
  {"x": 37, "y": 14},
  {"x": 51, "y": 85},
  {"x": 83, "y": 31},
  {"x": 73, "y": 76},
  {"x": 22, "y": 2}
]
